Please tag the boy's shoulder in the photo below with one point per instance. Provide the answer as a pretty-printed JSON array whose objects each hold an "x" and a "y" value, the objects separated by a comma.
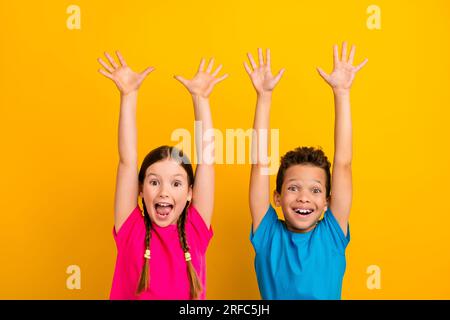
[{"x": 328, "y": 228}]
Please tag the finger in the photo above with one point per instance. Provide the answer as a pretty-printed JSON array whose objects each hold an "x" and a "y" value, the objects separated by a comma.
[
  {"x": 260, "y": 57},
  {"x": 268, "y": 57},
  {"x": 217, "y": 71},
  {"x": 335, "y": 54},
  {"x": 323, "y": 74},
  {"x": 344, "y": 52},
  {"x": 210, "y": 65},
  {"x": 147, "y": 71},
  {"x": 202, "y": 65},
  {"x": 105, "y": 65},
  {"x": 221, "y": 78},
  {"x": 247, "y": 68},
  {"x": 279, "y": 75},
  {"x": 111, "y": 60},
  {"x": 106, "y": 74},
  {"x": 121, "y": 59},
  {"x": 352, "y": 54},
  {"x": 361, "y": 65},
  {"x": 182, "y": 80},
  {"x": 252, "y": 62}
]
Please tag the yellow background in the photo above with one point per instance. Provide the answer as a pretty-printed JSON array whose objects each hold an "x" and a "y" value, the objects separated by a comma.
[{"x": 58, "y": 129}]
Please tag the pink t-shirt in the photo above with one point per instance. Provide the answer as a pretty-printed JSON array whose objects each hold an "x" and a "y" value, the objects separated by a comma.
[{"x": 168, "y": 269}]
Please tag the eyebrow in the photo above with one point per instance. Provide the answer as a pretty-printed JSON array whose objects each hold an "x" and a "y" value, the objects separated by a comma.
[
  {"x": 293, "y": 179},
  {"x": 154, "y": 174}
]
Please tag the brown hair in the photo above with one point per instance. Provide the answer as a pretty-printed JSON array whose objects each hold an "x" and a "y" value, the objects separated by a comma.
[
  {"x": 158, "y": 154},
  {"x": 305, "y": 156}
]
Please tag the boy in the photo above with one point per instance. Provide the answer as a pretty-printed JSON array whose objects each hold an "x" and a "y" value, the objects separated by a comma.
[{"x": 302, "y": 257}]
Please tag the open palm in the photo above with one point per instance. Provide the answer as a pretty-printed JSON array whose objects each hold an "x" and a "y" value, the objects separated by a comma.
[
  {"x": 204, "y": 81},
  {"x": 123, "y": 76},
  {"x": 344, "y": 72},
  {"x": 261, "y": 75}
]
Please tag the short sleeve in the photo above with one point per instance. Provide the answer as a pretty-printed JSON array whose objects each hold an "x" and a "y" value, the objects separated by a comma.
[
  {"x": 202, "y": 232},
  {"x": 334, "y": 229},
  {"x": 265, "y": 230},
  {"x": 124, "y": 235}
]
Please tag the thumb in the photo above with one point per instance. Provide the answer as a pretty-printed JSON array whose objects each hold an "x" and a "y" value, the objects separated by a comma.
[
  {"x": 182, "y": 80},
  {"x": 279, "y": 75},
  {"x": 221, "y": 78},
  {"x": 323, "y": 74},
  {"x": 147, "y": 71}
]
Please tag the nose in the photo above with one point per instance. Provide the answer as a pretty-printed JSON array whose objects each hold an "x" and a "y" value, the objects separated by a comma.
[
  {"x": 302, "y": 198},
  {"x": 163, "y": 193}
]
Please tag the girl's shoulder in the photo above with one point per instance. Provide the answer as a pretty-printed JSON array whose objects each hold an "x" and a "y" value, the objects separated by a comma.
[
  {"x": 198, "y": 225},
  {"x": 135, "y": 220}
]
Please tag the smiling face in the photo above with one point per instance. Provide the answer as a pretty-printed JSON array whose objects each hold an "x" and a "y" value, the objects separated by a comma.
[
  {"x": 165, "y": 191},
  {"x": 303, "y": 197}
]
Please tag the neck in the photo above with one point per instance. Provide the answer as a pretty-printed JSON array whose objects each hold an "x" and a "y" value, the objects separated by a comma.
[{"x": 296, "y": 230}]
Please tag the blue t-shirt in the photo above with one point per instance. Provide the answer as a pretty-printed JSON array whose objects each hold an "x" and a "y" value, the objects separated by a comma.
[{"x": 293, "y": 265}]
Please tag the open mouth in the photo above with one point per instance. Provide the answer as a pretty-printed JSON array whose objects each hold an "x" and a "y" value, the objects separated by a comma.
[
  {"x": 163, "y": 209},
  {"x": 303, "y": 212}
]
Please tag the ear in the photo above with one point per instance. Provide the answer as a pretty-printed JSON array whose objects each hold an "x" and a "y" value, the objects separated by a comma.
[
  {"x": 327, "y": 204},
  {"x": 276, "y": 198}
]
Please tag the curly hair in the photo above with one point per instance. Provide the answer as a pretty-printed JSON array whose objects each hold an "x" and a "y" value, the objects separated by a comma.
[{"x": 306, "y": 156}]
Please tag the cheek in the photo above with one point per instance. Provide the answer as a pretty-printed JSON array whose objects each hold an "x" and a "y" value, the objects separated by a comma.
[
  {"x": 180, "y": 194},
  {"x": 321, "y": 201},
  {"x": 287, "y": 198},
  {"x": 149, "y": 192}
]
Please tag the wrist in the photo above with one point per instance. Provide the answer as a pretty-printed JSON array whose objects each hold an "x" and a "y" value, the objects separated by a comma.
[
  {"x": 265, "y": 95},
  {"x": 199, "y": 98},
  {"x": 341, "y": 92},
  {"x": 131, "y": 94}
]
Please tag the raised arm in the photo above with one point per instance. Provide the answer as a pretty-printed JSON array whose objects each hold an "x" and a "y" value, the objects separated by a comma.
[
  {"x": 264, "y": 82},
  {"x": 341, "y": 80},
  {"x": 128, "y": 83},
  {"x": 200, "y": 88}
]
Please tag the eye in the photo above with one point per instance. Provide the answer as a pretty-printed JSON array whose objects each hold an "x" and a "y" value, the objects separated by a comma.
[
  {"x": 177, "y": 184},
  {"x": 317, "y": 190},
  {"x": 292, "y": 188},
  {"x": 153, "y": 182}
]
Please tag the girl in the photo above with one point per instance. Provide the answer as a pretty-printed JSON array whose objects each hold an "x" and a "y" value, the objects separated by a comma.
[{"x": 161, "y": 249}]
